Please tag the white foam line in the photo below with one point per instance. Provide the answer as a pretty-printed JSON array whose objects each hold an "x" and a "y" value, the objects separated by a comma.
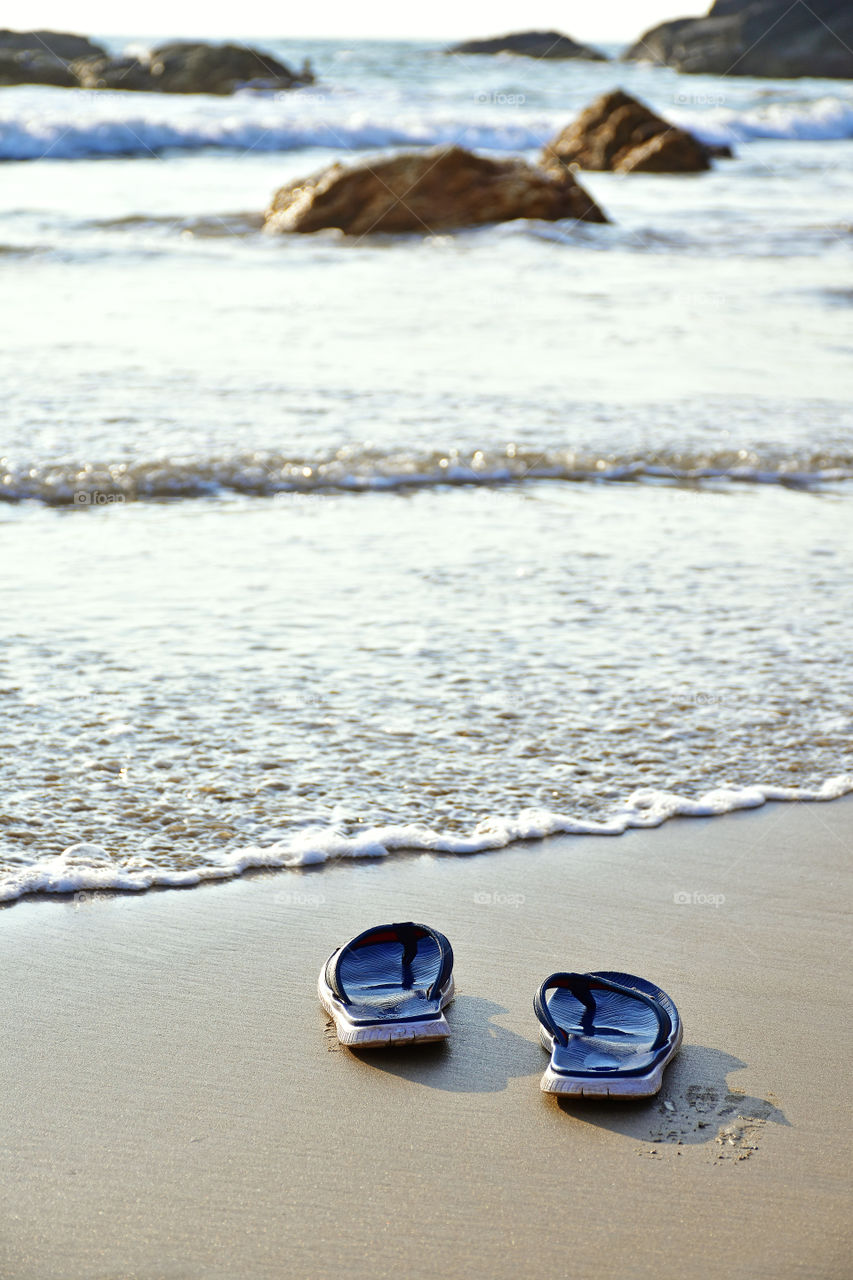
[
  {"x": 69, "y": 125},
  {"x": 56, "y": 485},
  {"x": 90, "y": 868},
  {"x": 828, "y": 119},
  {"x": 32, "y": 136}
]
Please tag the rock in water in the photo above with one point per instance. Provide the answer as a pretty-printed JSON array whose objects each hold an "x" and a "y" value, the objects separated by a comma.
[
  {"x": 428, "y": 191},
  {"x": 58, "y": 44},
  {"x": 188, "y": 67},
  {"x": 531, "y": 44},
  {"x": 756, "y": 38},
  {"x": 621, "y": 134},
  {"x": 43, "y": 57},
  {"x": 30, "y": 68},
  {"x": 50, "y": 57}
]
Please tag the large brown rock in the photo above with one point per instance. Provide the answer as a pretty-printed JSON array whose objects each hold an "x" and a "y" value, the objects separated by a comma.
[
  {"x": 756, "y": 38},
  {"x": 428, "y": 191},
  {"x": 621, "y": 134},
  {"x": 531, "y": 44}
]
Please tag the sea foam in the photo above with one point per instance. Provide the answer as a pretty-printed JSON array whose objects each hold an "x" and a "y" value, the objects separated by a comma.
[
  {"x": 68, "y": 124},
  {"x": 87, "y": 485},
  {"x": 91, "y": 868}
]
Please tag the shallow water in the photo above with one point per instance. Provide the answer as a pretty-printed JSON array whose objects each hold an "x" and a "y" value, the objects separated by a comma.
[{"x": 309, "y": 540}]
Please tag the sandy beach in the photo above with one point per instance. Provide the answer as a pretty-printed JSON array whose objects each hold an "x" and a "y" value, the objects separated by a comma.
[
  {"x": 426, "y": 466},
  {"x": 175, "y": 1105}
]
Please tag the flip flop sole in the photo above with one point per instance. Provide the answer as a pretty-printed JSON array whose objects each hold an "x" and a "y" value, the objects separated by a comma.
[
  {"x": 607, "y": 1087},
  {"x": 379, "y": 1035}
]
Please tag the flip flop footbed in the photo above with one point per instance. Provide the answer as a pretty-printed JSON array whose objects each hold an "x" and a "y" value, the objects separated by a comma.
[
  {"x": 389, "y": 985},
  {"x": 613, "y": 1041},
  {"x": 354, "y": 1031}
]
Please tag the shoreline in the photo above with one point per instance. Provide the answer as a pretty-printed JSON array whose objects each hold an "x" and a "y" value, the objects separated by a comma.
[
  {"x": 175, "y": 1105},
  {"x": 88, "y": 868}
]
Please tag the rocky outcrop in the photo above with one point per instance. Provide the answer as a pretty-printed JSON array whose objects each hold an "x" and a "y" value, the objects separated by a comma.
[
  {"x": 30, "y": 68},
  {"x": 58, "y": 44},
  {"x": 428, "y": 191},
  {"x": 43, "y": 57},
  {"x": 621, "y": 134},
  {"x": 57, "y": 58},
  {"x": 184, "y": 67},
  {"x": 756, "y": 38},
  {"x": 531, "y": 44}
]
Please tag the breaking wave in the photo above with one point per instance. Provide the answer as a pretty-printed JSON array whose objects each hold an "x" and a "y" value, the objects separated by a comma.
[
  {"x": 68, "y": 124},
  {"x": 354, "y": 470}
]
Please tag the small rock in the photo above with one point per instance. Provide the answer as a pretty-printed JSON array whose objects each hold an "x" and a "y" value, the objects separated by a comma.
[
  {"x": 618, "y": 133},
  {"x": 531, "y": 44}
]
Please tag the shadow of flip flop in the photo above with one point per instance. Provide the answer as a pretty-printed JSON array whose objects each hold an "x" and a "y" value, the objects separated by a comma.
[
  {"x": 695, "y": 1105},
  {"x": 479, "y": 1057}
]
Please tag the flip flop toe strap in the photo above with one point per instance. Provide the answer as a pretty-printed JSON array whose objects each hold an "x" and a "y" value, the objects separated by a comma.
[
  {"x": 408, "y": 934},
  {"x": 582, "y": 986}
]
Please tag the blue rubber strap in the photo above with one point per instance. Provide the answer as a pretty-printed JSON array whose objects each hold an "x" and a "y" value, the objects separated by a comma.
[
  {"x": 408, "y": 934},
  {"x": 582, "y": 986}
]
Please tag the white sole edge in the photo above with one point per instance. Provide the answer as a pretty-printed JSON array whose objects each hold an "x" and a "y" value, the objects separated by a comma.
[
  {"x": 381, "y": 1035},
  {"x": 614, "y": 1087}
]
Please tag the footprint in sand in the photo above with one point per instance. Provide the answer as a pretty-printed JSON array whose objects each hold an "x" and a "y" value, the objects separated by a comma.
[{"x": 734, "y": 1120}]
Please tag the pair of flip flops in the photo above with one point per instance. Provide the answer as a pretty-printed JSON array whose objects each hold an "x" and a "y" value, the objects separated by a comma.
[{"x": 608, "y": 1034}]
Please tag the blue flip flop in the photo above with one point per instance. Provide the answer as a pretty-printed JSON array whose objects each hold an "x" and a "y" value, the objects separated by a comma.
[
  {"x": 609, "y": 1034},
  {"x": 389, "y": 985}
]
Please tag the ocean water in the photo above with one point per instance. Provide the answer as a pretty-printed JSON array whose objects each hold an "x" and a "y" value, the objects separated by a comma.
[{"x": 316, "y": 547}]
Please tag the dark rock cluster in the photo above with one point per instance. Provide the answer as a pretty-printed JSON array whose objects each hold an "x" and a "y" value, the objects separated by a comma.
[
  {"x": 182, "y": 66},
  {"x": 774, "y": 38}
]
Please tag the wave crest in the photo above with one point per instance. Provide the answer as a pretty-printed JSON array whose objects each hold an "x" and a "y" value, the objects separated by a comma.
[{"x": 80, "y": 125}]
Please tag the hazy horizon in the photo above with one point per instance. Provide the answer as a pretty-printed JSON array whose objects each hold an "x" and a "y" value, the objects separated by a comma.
[{"x": 258, "y": 19}]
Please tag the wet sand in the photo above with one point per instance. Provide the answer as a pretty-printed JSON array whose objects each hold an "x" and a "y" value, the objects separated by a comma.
[{"x": 174, "y": 1105}]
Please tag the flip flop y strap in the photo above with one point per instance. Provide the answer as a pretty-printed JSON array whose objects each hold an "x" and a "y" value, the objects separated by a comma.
[
  {"x": 582, "y": 987},
  {"x": 409, "y": 935}
]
